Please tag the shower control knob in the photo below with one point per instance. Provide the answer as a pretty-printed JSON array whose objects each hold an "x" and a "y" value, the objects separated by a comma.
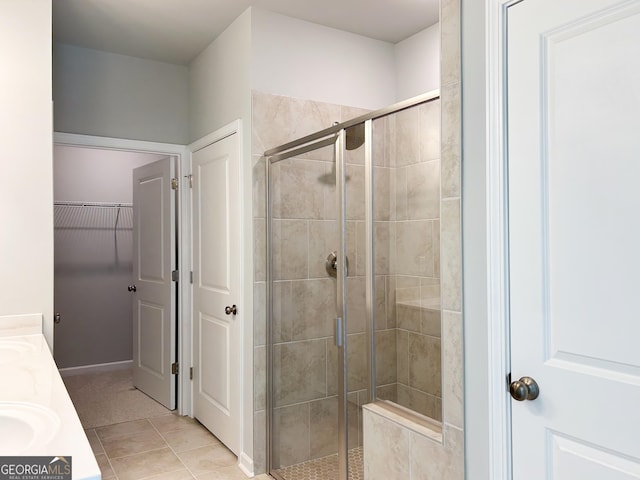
[
  {"x": 524, "y": 389},
  {"x": 132, "y": 288},
  {"x": 232, "y": 310},
  {"x": 331, "y": 265}
]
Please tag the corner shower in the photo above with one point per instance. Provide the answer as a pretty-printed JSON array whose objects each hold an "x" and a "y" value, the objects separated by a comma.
[{"x": 353, "y": 286}]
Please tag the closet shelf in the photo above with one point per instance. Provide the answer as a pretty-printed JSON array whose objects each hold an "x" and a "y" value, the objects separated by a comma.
[
  {"x": 93, "y": 216},
  {"x": 93, "y": 204}
]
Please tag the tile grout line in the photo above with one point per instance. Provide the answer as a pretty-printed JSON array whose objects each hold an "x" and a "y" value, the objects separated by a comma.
[
  {"x": 129, "y": 435},
  {"x": 143, "y": 452},
  {"x": 177, "y": 454},
  {"x": 172, "y": 450},
  {"x": 105, "y": 455}
]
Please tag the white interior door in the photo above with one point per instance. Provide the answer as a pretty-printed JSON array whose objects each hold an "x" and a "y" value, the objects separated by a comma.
[
  {"x": 574, "y": 203},
  {"x": 216, "y": 277},
  {"x": 154, "y": 306}
]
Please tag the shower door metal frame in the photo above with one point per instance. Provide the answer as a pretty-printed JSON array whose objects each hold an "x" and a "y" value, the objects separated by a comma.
[
  {"x": 341, "y": 297},
  {"x": 335, "y": 135}
]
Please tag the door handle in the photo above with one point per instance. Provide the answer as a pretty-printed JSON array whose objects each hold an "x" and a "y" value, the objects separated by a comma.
[
  {"x": 132, "y": 288},
  {"x": 338, "y": 340},
  {"x": 524, "y": 389},
  {"x": 231, "y": 310}
]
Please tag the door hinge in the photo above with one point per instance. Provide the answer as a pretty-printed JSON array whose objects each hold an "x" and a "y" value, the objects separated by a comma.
[
  {"x": 174, "y": 184},
  {"x": 175, "y": 368},
  {"x": 190, "y": 180},
  {"x": 175, "y": 275},
  {"x": 191, "y": 277},
  {"x": 190, "y": 373}
]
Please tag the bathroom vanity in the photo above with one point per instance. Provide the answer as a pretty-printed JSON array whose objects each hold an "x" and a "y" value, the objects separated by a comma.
[{"x": 37, "y": 417}]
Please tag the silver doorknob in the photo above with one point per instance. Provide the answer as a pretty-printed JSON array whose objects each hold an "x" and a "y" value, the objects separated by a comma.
[
  {"x": 524, "y": 389},
  {"x": 132, "y": 288},
  {"x": 232, "y": 310}
]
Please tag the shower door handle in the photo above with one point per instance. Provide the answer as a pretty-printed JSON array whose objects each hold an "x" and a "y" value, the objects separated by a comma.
[{"x": 338, "y": 333}]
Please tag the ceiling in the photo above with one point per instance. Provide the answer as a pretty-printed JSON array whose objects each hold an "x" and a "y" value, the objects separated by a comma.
[{"x": 175, "y": 31}]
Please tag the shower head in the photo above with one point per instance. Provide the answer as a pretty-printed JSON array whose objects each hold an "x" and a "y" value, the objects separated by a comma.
[
  {"x": 354, "y": 139},
  {"x": 355, "y": 136}
]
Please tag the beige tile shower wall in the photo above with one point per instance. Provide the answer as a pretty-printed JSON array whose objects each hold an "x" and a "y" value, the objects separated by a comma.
[
  {"x": 415, "y": 265},
  {"x": 392, "y": 451},
  {"x": 304, "y": 232}
]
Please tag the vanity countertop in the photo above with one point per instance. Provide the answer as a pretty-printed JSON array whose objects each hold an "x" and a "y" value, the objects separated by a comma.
[{"x": 37, "y": 417}]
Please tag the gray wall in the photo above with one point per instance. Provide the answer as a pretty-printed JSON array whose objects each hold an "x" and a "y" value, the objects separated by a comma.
[
  {"x": 110, "y": 95},
  {"x": 93, "y": 260}
]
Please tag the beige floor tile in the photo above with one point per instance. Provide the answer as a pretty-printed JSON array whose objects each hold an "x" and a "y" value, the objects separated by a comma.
[
  {"x": 123, "y": 429},
  {"x": 183, "y": 474},
  {"x": 207, "y": 459},
  {"x": 133, "y": 444},
  {"x": 224, "y": 473},
  {"x": 190, "y": 438},
  {"x": 167, "y": 423},
  {"x": 105, "y": 467},
  {"x": 143, "y": 465},
  {"x": 94, "y": 441}
]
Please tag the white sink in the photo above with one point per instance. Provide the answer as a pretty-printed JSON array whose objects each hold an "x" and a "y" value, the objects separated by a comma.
[
  {"x": 26, "y": 426},
  {"x": 36, "y": 413}
]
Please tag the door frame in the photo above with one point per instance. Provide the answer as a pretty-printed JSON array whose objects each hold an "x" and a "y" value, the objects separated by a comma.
[
  {"x": 485, "y": 245},
  {"x": 245, "y": 457},
  {"x": 183, "y": 328}
]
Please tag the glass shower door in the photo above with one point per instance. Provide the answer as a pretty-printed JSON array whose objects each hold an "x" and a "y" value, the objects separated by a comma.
[
  {"x": 303, "y": 391},
  {"x": 318, "y": 334}
]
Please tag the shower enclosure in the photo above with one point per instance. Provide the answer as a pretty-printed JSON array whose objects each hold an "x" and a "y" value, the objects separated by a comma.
[{"x": 352, "y": 285}]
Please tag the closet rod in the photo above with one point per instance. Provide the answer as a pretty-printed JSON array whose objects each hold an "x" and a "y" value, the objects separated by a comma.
[{"x": 93, "y": 204}]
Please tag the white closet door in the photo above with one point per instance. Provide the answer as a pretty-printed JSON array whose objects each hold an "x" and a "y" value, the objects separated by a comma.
[{"x": 154, "y": 306}]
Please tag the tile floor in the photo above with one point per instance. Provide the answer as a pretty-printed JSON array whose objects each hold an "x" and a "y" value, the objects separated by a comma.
[
  {"x": 168, "y": 447},
  {"x": 325, "y": 468}
]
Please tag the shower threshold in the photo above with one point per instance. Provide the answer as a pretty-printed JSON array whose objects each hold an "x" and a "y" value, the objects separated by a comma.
[{"x": 324, "y": 468}]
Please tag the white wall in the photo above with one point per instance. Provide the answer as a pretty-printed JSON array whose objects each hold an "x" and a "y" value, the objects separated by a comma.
[
  {"x": 111, "y": 95},
  {"x": 299, "y": 59},
  {"x": 219, "y": 80},
  {"x": 418, "y": 63},
  {"x": 26, "y": 216}
]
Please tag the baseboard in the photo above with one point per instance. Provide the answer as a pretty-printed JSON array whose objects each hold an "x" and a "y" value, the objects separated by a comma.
[
  {"x": 99, "y": 367},
  {"x": 245, "y": 463}
]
